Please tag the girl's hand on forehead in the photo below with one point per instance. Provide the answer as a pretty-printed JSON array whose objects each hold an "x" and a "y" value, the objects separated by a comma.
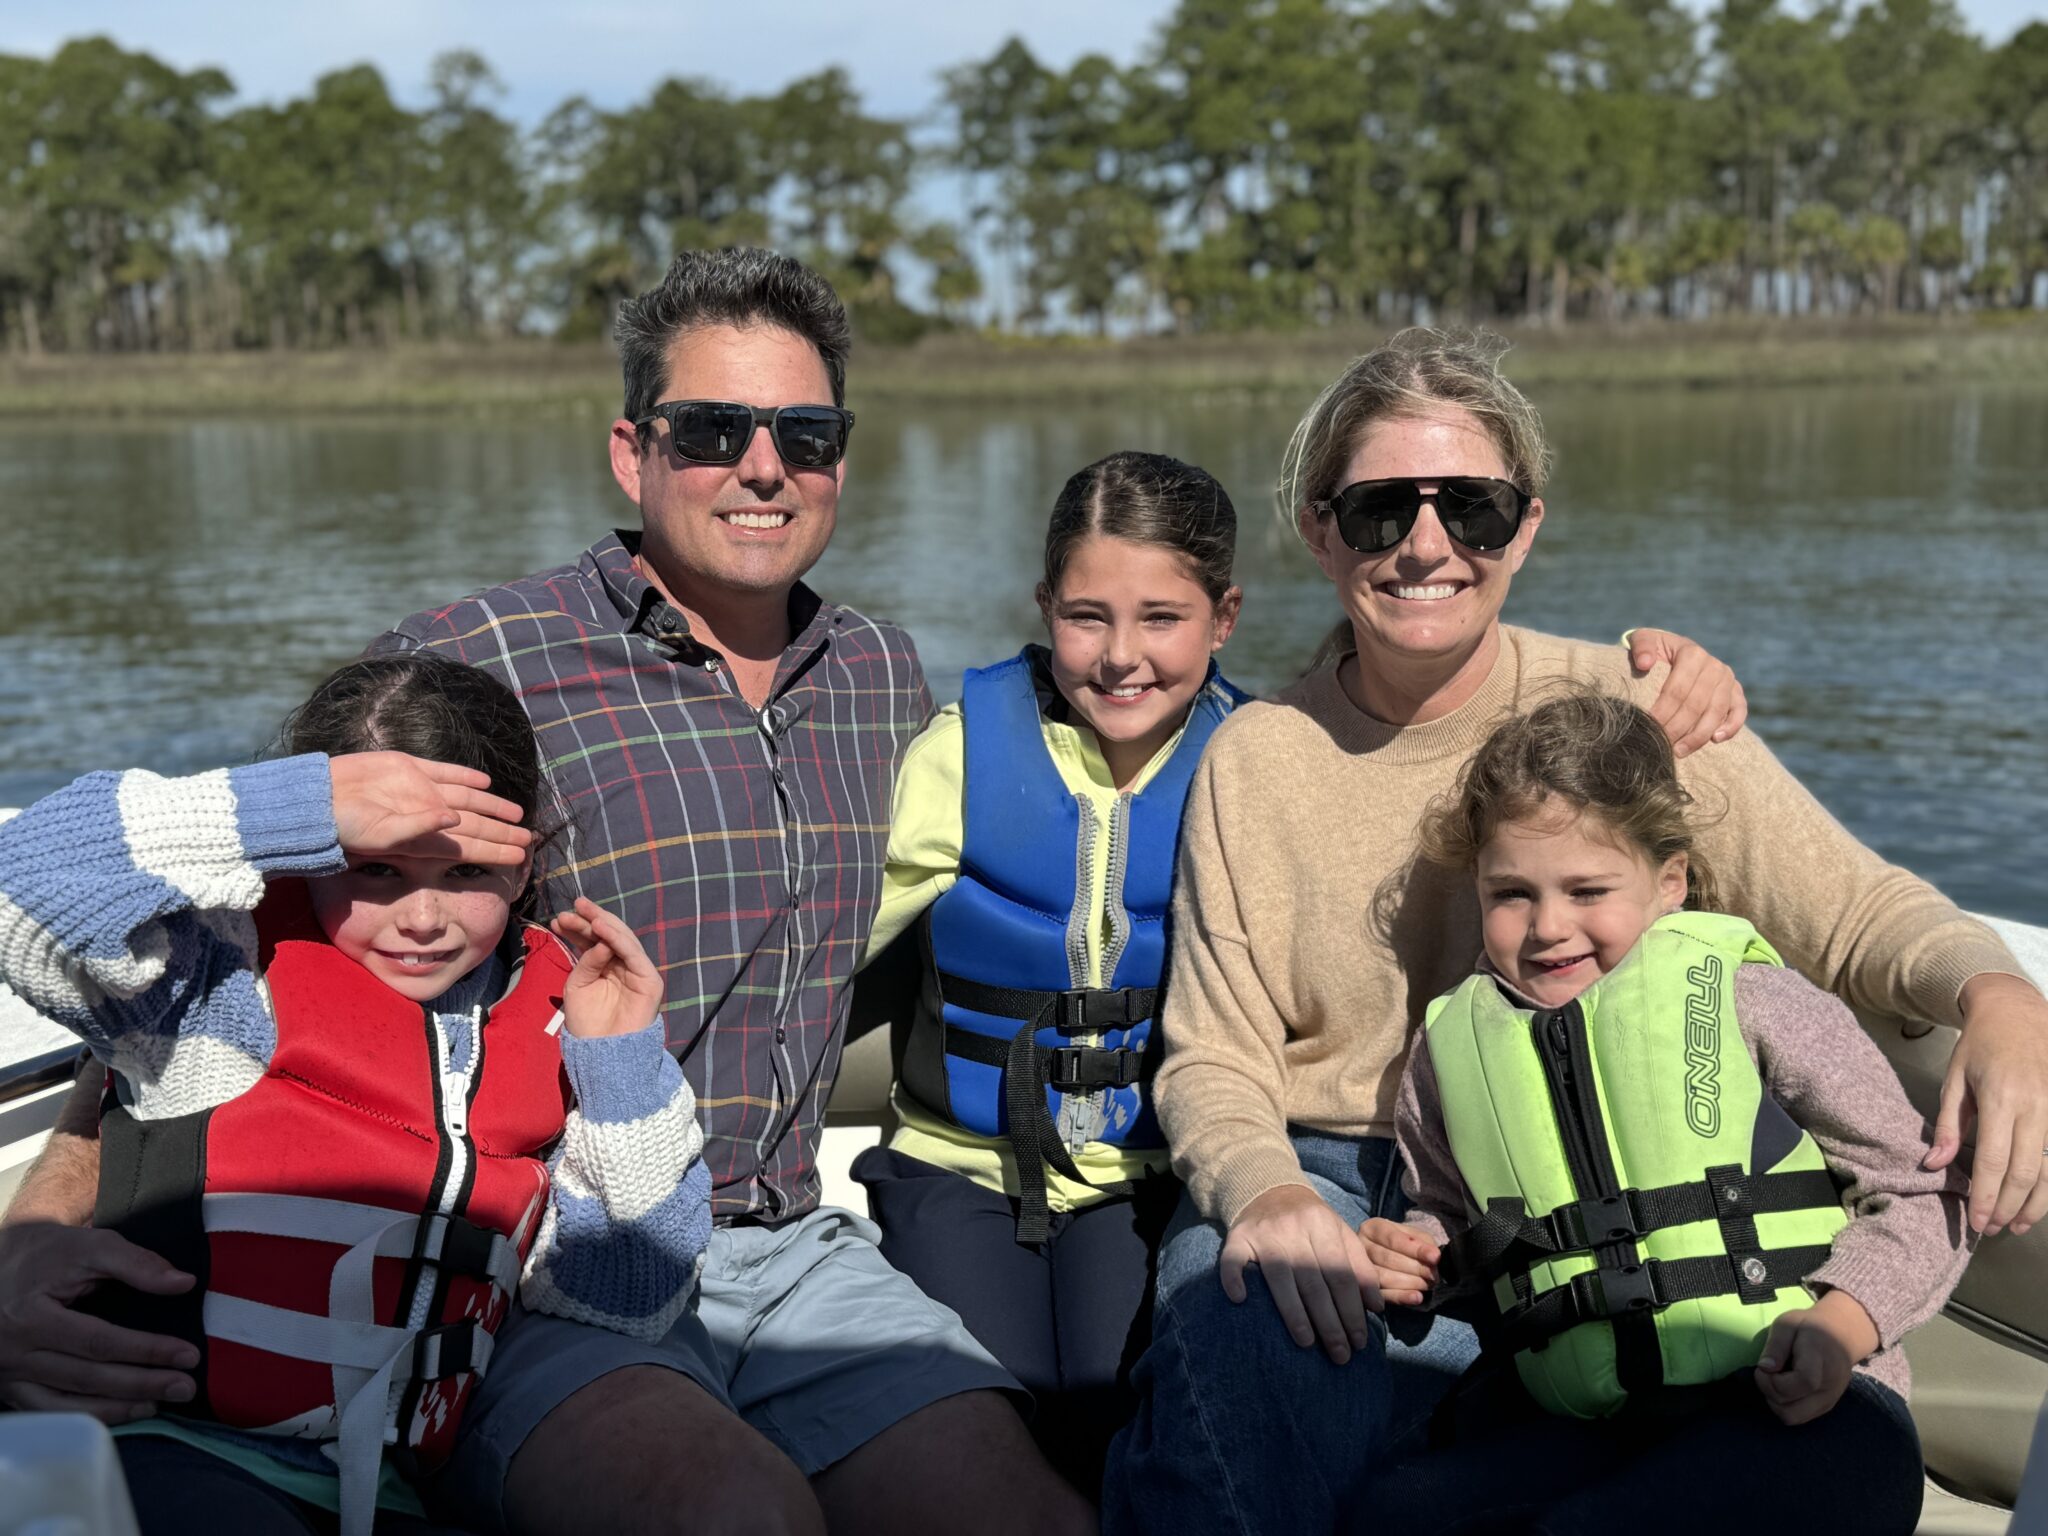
[
  {"x": 394, "y": 804},
  {"x": 615, "y": 989}
]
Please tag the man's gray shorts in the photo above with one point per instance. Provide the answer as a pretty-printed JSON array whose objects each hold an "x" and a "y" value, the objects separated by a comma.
[{"x": 802, "y": 1329}]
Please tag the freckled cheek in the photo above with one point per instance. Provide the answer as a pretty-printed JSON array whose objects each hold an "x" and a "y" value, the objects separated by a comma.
[
  {"x": 345, "y": 920},
  {"x": 482, "y": 917},
  {"x": 1073, "y": 656}
]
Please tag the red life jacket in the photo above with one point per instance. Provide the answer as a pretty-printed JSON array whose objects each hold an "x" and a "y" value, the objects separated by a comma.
[{"x": 357, "y": 1221}]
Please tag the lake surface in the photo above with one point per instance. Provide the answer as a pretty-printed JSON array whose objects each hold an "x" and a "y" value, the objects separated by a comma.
[{"x": 1874, "y": 562}]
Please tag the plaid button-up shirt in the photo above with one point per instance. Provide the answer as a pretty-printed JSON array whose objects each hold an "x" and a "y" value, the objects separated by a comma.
[{"x": 744, "y": 846}]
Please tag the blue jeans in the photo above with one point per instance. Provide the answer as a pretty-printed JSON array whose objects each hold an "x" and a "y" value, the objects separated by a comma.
[{"x": 1239, "y": 1428}]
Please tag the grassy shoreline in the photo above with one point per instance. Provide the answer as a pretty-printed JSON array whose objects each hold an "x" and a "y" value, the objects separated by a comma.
[{"x": 583, "y": 379}]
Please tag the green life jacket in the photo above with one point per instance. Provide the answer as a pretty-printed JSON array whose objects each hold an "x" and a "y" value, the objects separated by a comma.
[{"x": 1641, "y": 1208}]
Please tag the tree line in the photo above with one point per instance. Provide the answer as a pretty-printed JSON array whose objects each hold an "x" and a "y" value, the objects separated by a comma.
[{"x": 1264, "y": 163}]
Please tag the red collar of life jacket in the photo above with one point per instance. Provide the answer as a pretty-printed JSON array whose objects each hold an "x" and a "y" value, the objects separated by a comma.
[{"x": 358, "y": 1219}]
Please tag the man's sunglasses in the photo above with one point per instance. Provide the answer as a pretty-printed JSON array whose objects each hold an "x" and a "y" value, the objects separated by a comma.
[
  {"x": 718, "y": 431},
  {"x": 1375, "y": 515}
]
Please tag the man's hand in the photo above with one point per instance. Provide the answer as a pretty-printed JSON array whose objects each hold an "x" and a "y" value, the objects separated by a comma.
[
  {"x": 1322, "y": 1280},
  {"x": 1998, "y": 1077},
  {"x": 56, "y": 1360},
  {"x": 1404, "y": 1257},
  {"x": 409, "y": 807},
  {"x": 615, "y": 989},
  {"x": 1701, "y": 701},
  {"x": 1810, "y": 1353}
]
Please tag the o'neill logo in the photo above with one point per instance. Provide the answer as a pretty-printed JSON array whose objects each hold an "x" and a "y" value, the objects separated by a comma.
[{"x": 1703, "y": 1047}]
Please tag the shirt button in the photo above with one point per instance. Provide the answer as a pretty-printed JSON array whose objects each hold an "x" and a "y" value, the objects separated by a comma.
[{"x": 781, "y": 1035}]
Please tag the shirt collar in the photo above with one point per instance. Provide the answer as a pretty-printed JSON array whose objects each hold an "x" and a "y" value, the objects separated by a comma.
[{"x": 642, "y": 610}]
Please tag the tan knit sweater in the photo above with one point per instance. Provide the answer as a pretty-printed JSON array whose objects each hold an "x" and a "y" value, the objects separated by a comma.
[{"x": 1308, "y": 937}]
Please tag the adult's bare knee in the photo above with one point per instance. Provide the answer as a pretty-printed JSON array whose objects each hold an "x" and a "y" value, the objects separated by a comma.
[
  {"x": 645, "y": 1451},
  {"x": 963, "y": 1463}
]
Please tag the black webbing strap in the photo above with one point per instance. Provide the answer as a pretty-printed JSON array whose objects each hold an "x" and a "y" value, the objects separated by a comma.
[
  {"x": 1069, "y": 1011},
  {"x": 1489, "y": 1246},
  {"x": 1035, "y": 1138},
  {"x": 1504, "y": 1238},
  {"x": 1605, "y": 1294},
  {"x": 1029, "y": 1068},
  {"x": 1066, "y": 1067}
]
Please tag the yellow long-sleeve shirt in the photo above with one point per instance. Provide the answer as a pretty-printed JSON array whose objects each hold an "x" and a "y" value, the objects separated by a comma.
[{"x": 925, "y": 834}]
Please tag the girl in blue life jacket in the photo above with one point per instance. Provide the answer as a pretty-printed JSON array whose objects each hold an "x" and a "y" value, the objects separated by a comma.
[
  {"x": 1034, "y": 837},
  {"x": 1679, "y": 1189}
]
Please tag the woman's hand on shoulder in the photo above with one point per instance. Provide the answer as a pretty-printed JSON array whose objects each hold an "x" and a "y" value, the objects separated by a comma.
[
  {"x": 1322, "y": 1280},
  {"x": 614, "y": 989},
  {"x": 1998, "y": 1077},
  {"x": 1404, "y": 1257},
  {"x": 1701, "y": 700},
  {"x": 394, "y": 803}
]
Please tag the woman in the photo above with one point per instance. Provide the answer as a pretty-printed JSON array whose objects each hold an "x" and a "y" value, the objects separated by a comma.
[{"x": 1308, "y": 937}]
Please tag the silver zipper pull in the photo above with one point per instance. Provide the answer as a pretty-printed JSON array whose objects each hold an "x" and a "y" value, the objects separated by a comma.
[{"x": 455, "y": 1096}]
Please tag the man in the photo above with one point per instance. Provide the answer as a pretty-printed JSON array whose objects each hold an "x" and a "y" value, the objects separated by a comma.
[{"x": 726, "y": 744}]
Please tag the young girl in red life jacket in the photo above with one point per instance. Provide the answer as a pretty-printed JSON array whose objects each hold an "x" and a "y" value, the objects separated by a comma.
[
  {"x": 1674, "y": 1184},
  {"x": 353, "y": 1094},
  {"x": 1033, "y": 843}
]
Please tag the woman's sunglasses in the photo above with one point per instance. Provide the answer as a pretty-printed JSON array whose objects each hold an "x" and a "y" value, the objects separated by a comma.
[
  {"x": 1375, "y": 515},
  {"x": 718, "y": 431}
]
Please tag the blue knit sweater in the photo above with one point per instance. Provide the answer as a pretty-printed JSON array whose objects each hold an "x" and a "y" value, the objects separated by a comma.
[{"x": 126, "y": 915}]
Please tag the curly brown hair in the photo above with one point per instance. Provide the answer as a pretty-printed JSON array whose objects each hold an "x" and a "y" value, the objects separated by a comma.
[{"x": 1597, "y": 754}]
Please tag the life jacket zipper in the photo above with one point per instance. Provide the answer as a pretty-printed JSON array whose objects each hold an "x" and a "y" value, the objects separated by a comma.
[
  {"x": 1568, "y": 1069},
  {"x": 454, "y": 1095},
  {"x": 1113, "y": 893},
  {"x": 1567, "y": 1056}
]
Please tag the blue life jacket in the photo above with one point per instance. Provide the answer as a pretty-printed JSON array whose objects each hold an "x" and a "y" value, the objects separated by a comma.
[{"x": 1011, "y": 1041}]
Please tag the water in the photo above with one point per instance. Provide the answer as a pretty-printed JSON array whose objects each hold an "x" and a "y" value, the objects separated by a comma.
[{"x": 1874, "y": 562}]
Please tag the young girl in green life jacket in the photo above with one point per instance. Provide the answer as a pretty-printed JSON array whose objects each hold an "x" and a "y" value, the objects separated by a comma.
[
  {"x": 1674, "y": 1183},
  {"x": 1036, "y": 824}
]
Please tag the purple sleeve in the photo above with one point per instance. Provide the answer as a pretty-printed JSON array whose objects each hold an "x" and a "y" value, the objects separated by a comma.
[
  {"x": 1907, "y": 1241},
  {"x": 1429, "y": 1175}
]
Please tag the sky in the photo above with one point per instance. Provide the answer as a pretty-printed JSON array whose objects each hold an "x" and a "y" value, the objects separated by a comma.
[{"x": 614, "y": 52}]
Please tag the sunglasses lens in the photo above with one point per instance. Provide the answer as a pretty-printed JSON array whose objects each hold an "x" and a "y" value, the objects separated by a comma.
[
  {"x": 712, "y": 432},
  {"x": 810, "y": 436},
  {"x": 1373, "y": 517},
  {"x": 1480, "y": 514}
]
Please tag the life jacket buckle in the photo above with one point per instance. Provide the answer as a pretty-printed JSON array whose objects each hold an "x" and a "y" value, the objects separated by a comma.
[
  {"x": 445, "y": 1351},
  {"x": 466, "y": 1248},
  {"x": 1072, "y": 1068},
  {"x": 1614, "y": 1290},
  {"x": 1080, "y": 1008},
  {"x": 1070, "y": 1010},
  {"x": 1589, "y": 1223}
]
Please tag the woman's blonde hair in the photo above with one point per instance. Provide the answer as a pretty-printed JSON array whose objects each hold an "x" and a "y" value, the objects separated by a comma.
[
  {"x": 1410, "y": 374},
  {"x": 1597, "y": 755}
]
